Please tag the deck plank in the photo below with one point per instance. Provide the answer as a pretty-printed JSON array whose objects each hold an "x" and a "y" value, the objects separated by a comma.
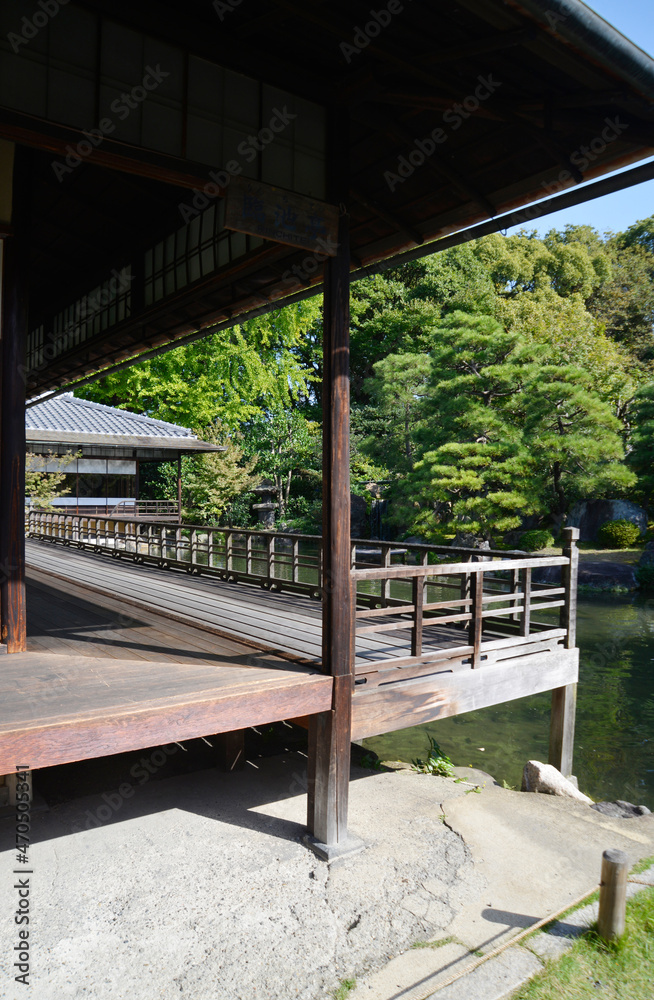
[{"x": 102, "y": 680}]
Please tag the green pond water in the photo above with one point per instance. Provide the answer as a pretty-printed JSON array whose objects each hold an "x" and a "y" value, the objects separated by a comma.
[{"x": 614, "y": 743}]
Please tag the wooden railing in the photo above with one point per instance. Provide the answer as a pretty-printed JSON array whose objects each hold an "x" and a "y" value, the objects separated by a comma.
[
  {"x": 488, "y": 587},
  {"x": 495, "y": 604},
  {"x": 145, "y": 510}
]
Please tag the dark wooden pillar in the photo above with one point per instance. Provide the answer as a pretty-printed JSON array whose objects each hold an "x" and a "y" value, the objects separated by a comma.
[
  {"x": 13, "y": 330},
  {"x": 564, "y": 700},
  {"x": 329, "y": 732}
]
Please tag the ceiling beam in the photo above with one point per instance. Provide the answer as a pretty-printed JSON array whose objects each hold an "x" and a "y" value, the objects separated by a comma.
[
  {"x": 391, "y": 218},
  {"x": 435, "y": 164}
]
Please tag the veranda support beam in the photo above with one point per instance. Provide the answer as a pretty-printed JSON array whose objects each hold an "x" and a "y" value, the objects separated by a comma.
[
  {"x": 13, "y": 329},
  {"x": 330, "y": 732},
  {"x": 564, "y": 699}
]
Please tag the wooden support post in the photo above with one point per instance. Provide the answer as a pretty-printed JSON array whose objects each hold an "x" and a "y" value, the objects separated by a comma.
[
  {"x": 296, "y": 561},
  {"x": 13, "y": 338},
  {"x": 330, "y": 732},
  {"x": 231, "y": 750},
  {"x": 613, "y": 895},
  {"x": 564, "y": 700},
  {"x": 562, "y": 728}
]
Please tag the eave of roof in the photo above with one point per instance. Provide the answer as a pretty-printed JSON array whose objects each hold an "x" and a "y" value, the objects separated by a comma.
[
  {"x": 49, "y": 437},
  {"x": 69, "y": 420}
]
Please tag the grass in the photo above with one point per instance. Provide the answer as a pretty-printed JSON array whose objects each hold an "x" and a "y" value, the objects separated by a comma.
[
  {"x": 346, "y": 985},
  {"x": 434, "y": 944},
  {"x": 591, "y": 552},
  {"x": 642, "y": 866},
  {"x": 623, "y": 971}
]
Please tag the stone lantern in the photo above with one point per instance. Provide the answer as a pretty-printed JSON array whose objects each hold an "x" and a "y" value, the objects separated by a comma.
[{"x": 267, "y": 507}]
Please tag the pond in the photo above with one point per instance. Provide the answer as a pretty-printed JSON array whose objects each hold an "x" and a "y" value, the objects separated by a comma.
[{"x": 614, "y": 743}]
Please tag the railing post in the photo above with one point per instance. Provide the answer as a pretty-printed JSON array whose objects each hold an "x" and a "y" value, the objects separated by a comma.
[
  {"x": 564, "y": 699},
  {"x": 515, "y": 589},
  {"x": 476, "y": 622},
  {"x": 229, "y": 557},
  {"x": 525, "y": 624},
  {"x": 466, "y": 586},
  {"x": 418, "y": 601},
  {"x": 384, "y": 587},
  {"x": 296, "y": 561},
  {"x": 570, "y": 574},
  {"x": 270, "y": 556}
]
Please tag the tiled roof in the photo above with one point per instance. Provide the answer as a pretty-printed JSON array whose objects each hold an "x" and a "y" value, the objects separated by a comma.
[{"x": 69, "y": 414}]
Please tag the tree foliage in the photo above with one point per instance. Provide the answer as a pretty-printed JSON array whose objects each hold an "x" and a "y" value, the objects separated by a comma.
[
  {"x": 210, "y": 480},
  {"x": 492, "y": 384},
  {"x": 42, "y": 487}
]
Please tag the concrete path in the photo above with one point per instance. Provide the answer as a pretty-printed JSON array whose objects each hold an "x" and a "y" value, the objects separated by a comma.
[
  {"x": 198, "y": 886},
  {"x": 533, "y": 855}
]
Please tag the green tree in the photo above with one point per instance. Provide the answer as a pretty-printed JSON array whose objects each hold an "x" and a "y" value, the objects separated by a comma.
[
  {"x": 574, "y": 439},
  {"x": 397, "y": 390},
  {"x": 641, "y": 458},
  {"x": 286, "y": 443},
  {"x": 506, "y": 436},
  {"x": 474, "y": 472},
  {"x": 229, "y": 376},
  {"x": 211, "y": 481}
]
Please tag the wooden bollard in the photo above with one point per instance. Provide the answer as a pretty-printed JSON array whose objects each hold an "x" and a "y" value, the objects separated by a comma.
[{"x": 613, "y": 895}]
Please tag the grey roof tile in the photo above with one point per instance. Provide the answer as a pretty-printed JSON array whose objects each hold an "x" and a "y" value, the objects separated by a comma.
[{"x": 67, "y": 413}]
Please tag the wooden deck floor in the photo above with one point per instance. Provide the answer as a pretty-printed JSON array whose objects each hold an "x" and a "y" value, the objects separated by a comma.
[
  {"x": 102, "y": 677},
  {"x": 287, "y": 624},
  {"x": 123, "y": 657}
]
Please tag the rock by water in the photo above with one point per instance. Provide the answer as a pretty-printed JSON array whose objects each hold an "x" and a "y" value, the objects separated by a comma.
[
  {"x": 620, "y": 809},
  {"x": 539, "y": 777},
  {"x": 598, "y": 575},
  {"x": 590, "y": 515}
]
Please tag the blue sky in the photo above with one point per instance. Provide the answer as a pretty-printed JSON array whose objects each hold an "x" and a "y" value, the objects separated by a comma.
[{"x": 635, "y": 19}]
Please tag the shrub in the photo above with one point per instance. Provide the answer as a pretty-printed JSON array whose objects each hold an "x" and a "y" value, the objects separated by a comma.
[
  {"x": 620, "y": 534},
  {"x": 645, "y": 577},
  {"x": 437, "y": 762},
  {"x": 535, "y": 540}
]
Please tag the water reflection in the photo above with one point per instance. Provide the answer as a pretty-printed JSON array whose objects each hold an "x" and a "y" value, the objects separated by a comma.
[{"x": 614, "y": 745}]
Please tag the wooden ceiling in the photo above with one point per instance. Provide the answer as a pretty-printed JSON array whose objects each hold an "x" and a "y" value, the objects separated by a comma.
[{"x": 518, "y": 109}]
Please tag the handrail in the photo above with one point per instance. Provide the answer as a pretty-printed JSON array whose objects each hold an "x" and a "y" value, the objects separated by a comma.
[
  {"x": 492, "y": 589},
  {"x": 521, "y": 600}
]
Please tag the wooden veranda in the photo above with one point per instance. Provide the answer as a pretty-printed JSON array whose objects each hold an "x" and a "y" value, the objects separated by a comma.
[{"x": 343, "y": 142}]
